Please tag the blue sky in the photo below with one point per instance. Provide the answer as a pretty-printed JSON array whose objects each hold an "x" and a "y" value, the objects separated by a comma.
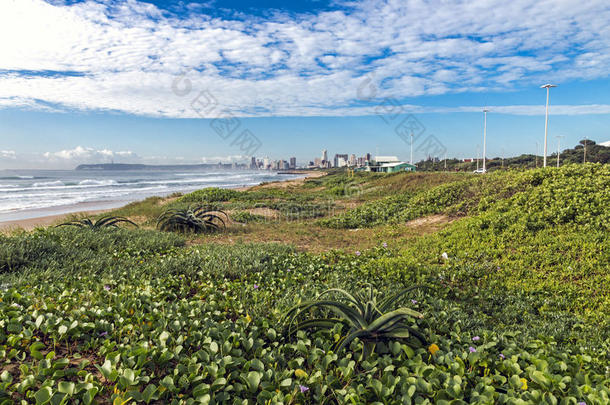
[{"x": 142, "y": 81}]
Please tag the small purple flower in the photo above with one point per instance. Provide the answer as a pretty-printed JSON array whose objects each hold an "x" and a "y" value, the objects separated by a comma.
[
  {"x": 256, "y": 286},
  {"x": 107, "y": 287},
  {"x": 582, "y": 403},
  {"x": 476, "y": 338},
  {"x": 502, "y": 356},
  {"x": 289, "y": 270},
  {"x": 103, "y": 333},
  {"x": 303, "y": 389},
  {"x": 472, "y": 349},
  {"x": 385, "y": 245},
  {"x": 357, "y": 253},
  {"x": 413, "y": 302}
]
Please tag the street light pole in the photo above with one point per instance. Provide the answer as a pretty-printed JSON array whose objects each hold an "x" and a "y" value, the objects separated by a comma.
[
  {"x": 411, "y": 148},
  {"x": 558, "y": 148},
  {"x": 546, "y": 122},
  {"x": 485, "y": 110},
  {"x": 584, "y": 159}
]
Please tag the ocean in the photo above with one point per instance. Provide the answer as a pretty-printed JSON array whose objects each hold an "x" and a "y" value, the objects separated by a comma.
[{"x": 28, "y": 194}]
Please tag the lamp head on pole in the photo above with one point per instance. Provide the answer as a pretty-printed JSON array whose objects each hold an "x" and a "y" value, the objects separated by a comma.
[
  {"x": 485, "y": 109},
  {"x": 548, "y": 86}
]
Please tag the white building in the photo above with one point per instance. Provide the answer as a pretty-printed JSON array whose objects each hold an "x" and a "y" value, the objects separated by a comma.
[{"x": 380, "y": 160}]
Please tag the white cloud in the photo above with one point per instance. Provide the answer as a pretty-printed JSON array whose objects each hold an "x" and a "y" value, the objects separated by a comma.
[
  {"x": 124, "y": 56},
  {"x": 89, "y": 155},
  {"x": 224, "y": 159},
  {"x": 8, "y": 154}
]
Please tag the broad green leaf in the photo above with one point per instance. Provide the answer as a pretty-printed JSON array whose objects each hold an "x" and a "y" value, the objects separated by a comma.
[
  {"x": 253, "y": 379},
  {"x": 43, "y": 395},
  {"x": 149, "y": 391},
  {"x": 66, "y": 387}
]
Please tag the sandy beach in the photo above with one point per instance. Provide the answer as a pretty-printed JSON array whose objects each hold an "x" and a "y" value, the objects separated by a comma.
[
  {"x": 47, "y": 217},
  {"x": 30, "y": 223}
]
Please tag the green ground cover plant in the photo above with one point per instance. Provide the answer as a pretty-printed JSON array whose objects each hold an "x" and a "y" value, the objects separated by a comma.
[
  {"x": 516, "y": 313},
  {"x": 246, "y": 217}
]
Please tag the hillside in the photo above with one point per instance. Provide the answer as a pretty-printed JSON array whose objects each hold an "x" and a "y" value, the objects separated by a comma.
[
  {"x": 514, "y": 310},
  {"x": 595, "y": 154}
]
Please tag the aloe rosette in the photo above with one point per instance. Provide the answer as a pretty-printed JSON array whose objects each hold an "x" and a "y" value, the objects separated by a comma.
[{"x": 367, "y": 318}]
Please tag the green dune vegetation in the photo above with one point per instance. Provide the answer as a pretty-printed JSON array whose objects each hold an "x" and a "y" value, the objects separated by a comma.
[{"x": 407, "y": 288}]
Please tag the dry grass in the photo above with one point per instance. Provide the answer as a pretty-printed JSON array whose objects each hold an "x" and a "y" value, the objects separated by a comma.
[
  {"x": 429, "y": 222},
  {"x": 306, "y": 236}
]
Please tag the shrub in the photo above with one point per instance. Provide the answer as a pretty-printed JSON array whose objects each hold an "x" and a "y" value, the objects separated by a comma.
[
  {"x": 369, "y": 214},
  {"x": 211, "y": 194},
  {"x": 246, "y": 217}
]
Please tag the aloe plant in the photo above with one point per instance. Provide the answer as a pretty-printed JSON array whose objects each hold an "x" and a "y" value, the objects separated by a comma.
[
  {"x": 103, "y": 222},
  {"x": 194, "y": 219},
  {"x": 368, "y": 318}
]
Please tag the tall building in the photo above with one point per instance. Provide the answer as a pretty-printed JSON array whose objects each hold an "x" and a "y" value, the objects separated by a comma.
[
  {"x": 293, "y": 163},
  {"x": 266, "y": 163},
  {"x": 253, "y": 163},
  {"x": 340, "y": 158},
  {"x": 352, "y": 160},
  {"x": 317, "y": 162},
  {"x": 324, "y": 155}
]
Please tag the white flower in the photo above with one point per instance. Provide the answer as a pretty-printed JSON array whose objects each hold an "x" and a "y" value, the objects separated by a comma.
[{"x": 445, "y": 256}]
